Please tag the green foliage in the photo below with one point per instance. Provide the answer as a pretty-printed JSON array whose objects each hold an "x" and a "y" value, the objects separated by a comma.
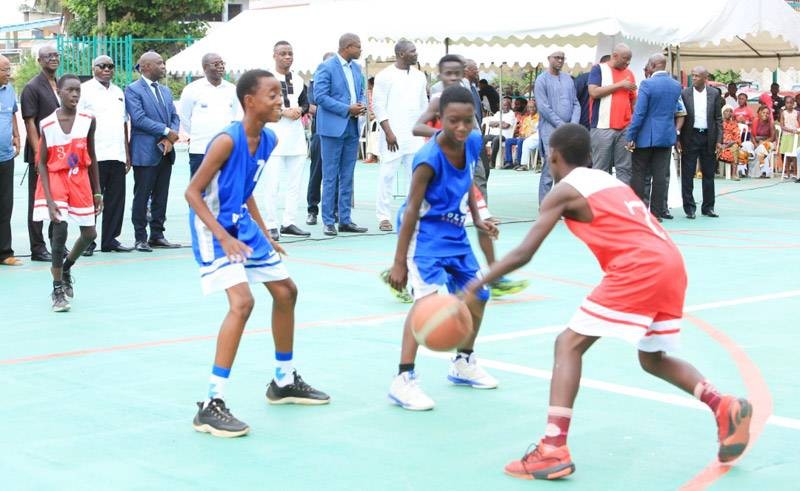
[
  {"x": 727, "y": 76},
  {"x": 145, "y": 19},
  {"x": 27, "y": 69},
  {"x": 516, "y": 84}
]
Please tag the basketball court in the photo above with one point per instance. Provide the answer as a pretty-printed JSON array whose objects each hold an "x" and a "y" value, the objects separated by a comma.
[{"x": 103, "y": 397}]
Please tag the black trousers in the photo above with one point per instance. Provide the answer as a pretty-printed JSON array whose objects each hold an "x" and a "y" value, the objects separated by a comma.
[
  {"x": 151, "y": 183},
  {"x": 112, "y": 185},
  {"x": 698, "y": 148},
  {"x": 313, "y": 195},
  {"x": 653, "y": 161},
  {"x": 6, "y": 207},
  {"x": 487, "y": 164},
  {"x": 35, "y": 228}
]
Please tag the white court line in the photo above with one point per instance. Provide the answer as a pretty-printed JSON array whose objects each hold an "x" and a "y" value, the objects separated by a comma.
[
  {"x": 672, "y": 399},
  {"x": 743, "y": 300}
]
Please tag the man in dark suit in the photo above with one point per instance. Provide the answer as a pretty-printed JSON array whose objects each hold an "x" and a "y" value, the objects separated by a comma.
[
  {"x": 701, "y": 138},
  {"x": 652, "y": 132},
  {"x": 339, "y": 94},
  {"x": 154, "y": 129},
  {"x": 315, "y": 155},
  {"x": 38, "y": 101}
]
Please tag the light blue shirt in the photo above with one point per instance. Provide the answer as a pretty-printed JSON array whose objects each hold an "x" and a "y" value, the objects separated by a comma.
[
  {"x": 556, "y": 101},
  {"x": 348, "y": 75},
  {"x": 8, "y": 108}
]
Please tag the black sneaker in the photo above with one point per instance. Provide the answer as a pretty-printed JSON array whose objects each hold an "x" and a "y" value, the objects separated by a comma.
[
  {"x": 218, "y": 420},
  {"x": 297, "y": 393},
  {"x": 67, "y": 280},
  {"x": 60, "y": 302}
]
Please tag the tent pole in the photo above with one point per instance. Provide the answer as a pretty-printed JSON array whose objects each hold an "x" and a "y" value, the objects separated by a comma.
[
  {"x": 678, "y": 62},
  {"x": 669, "y": 60}
]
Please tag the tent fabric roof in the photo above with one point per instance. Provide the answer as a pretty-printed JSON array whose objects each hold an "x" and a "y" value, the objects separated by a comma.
[{"x": 735, "y": 33}]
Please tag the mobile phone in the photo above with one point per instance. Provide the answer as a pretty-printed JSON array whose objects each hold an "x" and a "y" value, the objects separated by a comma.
[{"x": 160, "y": 146}]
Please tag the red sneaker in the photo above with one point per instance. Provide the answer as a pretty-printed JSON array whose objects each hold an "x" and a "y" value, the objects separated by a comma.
[
  {"x": 733, "y": 423},
  {"x": 539, "y": 464}
]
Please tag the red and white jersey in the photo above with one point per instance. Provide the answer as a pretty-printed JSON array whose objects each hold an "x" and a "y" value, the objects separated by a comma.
[
  {"x": 644, "y": 268},
  {"x": 66, "y": 151}
]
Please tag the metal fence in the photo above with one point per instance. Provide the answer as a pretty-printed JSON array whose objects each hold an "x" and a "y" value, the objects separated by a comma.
[{"x": 78, "y": 52}]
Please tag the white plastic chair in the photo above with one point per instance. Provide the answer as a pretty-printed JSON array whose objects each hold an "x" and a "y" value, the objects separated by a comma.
[{"x": 773, "y": 153}]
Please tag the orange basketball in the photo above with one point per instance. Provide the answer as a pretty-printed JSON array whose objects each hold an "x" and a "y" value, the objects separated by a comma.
[{"x": 441, "y": 322}]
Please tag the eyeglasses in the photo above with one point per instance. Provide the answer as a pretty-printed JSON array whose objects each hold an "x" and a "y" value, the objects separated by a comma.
[
  {"x": 105, "y": 66},
  {"x": 5, "y": 69},
  {"x": 218, "y": 64},
  {"x": 51, "y": 56}
]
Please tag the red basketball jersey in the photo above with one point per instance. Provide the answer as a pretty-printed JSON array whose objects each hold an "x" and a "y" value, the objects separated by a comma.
[
  {"x": 644, "y": 268},
  {"x": 66, "y": 151}
]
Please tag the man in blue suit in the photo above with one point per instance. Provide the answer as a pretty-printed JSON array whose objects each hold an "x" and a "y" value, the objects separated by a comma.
[
  {"x": 339, "y": 94},
  {"x": 652, "y": 133},
  {"x": 154, "y": 129}
]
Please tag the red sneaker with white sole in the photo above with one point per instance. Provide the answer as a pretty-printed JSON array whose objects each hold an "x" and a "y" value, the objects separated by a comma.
[{"x": 733, "y": 427}]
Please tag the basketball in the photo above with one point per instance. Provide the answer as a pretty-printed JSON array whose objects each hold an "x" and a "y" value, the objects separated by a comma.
[{"x": 441, "y": 322}]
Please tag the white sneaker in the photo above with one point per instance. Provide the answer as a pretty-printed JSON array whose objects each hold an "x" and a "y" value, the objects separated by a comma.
[
  {"x": 465, "y": 371},
  {"x": 406, "y": 393}
]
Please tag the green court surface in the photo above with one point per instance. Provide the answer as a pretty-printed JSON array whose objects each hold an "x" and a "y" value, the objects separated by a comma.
[{"x": 103, "y": 397}]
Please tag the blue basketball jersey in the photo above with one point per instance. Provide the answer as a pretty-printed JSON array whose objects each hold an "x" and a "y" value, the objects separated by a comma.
[
  {"x": 444, "y": 209},
  {"x": 226, "y": 196}
]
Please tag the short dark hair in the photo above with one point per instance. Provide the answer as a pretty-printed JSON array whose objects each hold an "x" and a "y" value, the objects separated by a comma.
[
  {"x": 604, "y": 58},
  {"x": 455, "y": 94},
  {"x": 64, "y": 78},
  {"x": 483, "y": 81},
  {"x": 451, "y": 58},
  {"x": 248, "y": 83},
  {"x": 281, "y": 43},
  {"x": 572, "y": 142}
]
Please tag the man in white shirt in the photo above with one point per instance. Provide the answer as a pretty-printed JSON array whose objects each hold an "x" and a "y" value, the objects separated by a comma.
[
  {"x": 398, "y": 99},
  {"x": 106, "y": 101},
  {"x": 287, "y": 161},
  {"x": 207, "y": 106},
  {"x": 500, "y": 127}
]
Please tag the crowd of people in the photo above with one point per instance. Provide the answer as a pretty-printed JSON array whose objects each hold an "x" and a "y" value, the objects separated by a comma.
[{"x": 82, "y": 139}]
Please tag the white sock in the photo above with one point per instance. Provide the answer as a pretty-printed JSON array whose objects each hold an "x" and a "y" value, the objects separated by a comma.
[{"x": 284, "y": 370}]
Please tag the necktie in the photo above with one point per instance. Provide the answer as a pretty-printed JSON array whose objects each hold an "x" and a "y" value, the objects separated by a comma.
[{"x": 158, "y": 96}]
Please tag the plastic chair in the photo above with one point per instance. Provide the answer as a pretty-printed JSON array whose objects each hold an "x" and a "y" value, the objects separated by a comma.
[{"x": 773, "y": 153}]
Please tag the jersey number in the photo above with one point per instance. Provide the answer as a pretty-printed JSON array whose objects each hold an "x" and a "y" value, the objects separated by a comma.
[
  {"x": 648, "y": 217},
  {"x": 261, "y": 164}
]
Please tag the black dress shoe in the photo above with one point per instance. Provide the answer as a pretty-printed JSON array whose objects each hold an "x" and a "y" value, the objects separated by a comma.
[
  {"x": 667, "y": 216},
  {"x": 330, "y": 230},
  {"x": 89, "y": 252},
  {"x": 294, "y": 230},
  {"x": 691, "y": 216},
  {"x": 352, "y": 228},
  {"x": 143, "y": 246},
  {"x": 162, "y": 243},
  {"x": 118, "y": 248},
  {"x": 44, "y": 257},
  {"x": 710, "y": 213},
  {"x": 312, "y": 219}
]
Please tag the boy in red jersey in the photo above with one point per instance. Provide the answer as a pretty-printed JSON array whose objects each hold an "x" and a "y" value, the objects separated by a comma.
[
  {"x": 640, "y": 299},
  {"x": 68, "y": 189}
]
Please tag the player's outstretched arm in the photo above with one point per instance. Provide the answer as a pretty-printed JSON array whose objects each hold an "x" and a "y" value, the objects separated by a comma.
[
  {"x": 45, "y": 179},
  {"x": 421, "y": 127},
  {"x": 553, "y": 207},
  {"x": 483, "y": 226},
  {"x": 94, "y": 171},
  {"x": 218, "y": 152},
  {"x": 419, "y": 185}
]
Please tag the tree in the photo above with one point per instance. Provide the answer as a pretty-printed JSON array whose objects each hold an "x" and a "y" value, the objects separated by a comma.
[{"x": 144, "y": 19}]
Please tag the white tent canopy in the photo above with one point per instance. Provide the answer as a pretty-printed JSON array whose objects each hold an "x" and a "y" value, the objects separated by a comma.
[{"x": 722, "y": 33}]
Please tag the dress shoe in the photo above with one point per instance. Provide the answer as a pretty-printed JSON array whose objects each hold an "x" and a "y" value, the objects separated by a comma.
[
  {"x": 162, "y": 243},
  {"x": 89, "y": 252},
  {"x": 385, "y": 226},
  {"x": 294, "y": 230},
  {"x": 44, "y": 257},
  {"x": 710, "y": 213},
  {"x": 118, "y": 248},
  {"x": 274, "y": 234},
  {"x": 330, "y": 230},
  {"x": 659, "y": 219},
  {"x": 667, "y": 216},
  {"x": 691, "y": 216},
  {"x": 312, "y": 219},
  {"x": 143, "y": 246},
  {"x": 352, "y": 228}
]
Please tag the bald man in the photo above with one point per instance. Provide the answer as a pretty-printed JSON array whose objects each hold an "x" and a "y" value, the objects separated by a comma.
[
  {"x": 612, "y": 88},
  {"x": 154, "y": 129},
  {"x": 9, "y": 148},
  {"x": 652, "y": 133},
  {"x": 38, "y": 100}
]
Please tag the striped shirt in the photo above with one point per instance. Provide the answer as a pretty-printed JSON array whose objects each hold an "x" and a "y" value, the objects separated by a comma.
[{"x": 615, "y": 110}]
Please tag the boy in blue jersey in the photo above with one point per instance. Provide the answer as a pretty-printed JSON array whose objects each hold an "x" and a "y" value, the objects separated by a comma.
[
  {"x": 432, "y": 245},
  {"x": 233, "y": 248}
]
